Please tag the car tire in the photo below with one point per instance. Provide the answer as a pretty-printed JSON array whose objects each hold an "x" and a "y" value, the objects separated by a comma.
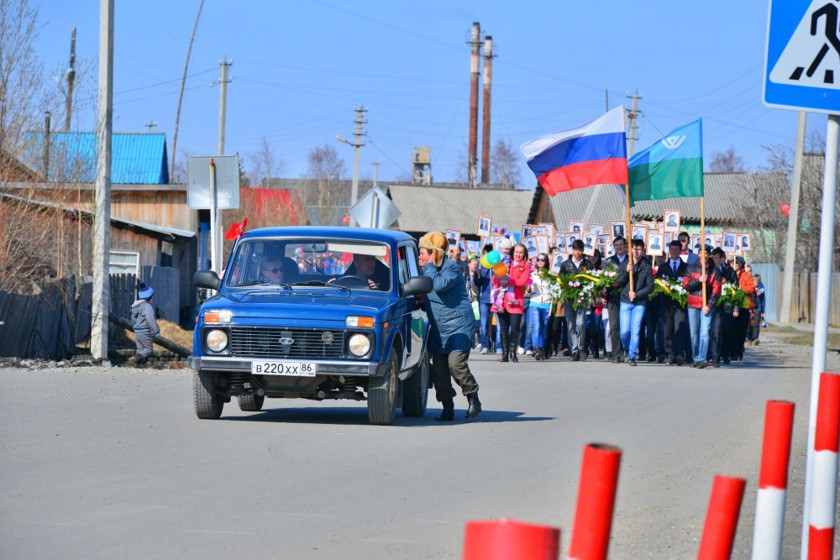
[
  {"x": 251, "y": 403},
  {"x": 208, "y": 403},
  {"x": 382, "y": 394},
  {"x": 416, "y": 390}
]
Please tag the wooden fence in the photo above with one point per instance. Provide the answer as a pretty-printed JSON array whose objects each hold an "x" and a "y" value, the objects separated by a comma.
[{"x": 803, "y": 302}]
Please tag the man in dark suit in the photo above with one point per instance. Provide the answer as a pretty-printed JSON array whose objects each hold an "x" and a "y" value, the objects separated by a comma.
[
  {"x": 576, "y": 318},
  {"x": 676, "y": 325},
  {"x": 619, "y": 260}
]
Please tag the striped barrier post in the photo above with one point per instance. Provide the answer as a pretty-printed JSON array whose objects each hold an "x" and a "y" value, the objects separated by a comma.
[
  {"x": 772, "y": 481},
  {"x": 824, "y": 489},
  {"x": 721, "y": 518},
  {"x": 506, "y": 539},
  {"x": 595, "y": 503}
]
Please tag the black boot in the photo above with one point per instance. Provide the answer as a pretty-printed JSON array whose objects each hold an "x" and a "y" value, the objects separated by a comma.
[
  {"x": 474, "y": 405},
  {"x": 504, "y": 357},
  {"x": 513, "y": 357},
  {"x": 448, "y": 414}
]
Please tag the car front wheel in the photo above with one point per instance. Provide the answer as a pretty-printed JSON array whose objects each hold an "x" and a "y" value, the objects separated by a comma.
[
  {"x": 382, "y": 394},
  {"x": 416, "y": 390},
  {"x": 208, "y": 403}
]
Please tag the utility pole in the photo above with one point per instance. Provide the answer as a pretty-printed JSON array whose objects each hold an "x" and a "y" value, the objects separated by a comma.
[
  {"x": 181, "y": 94},
  {"x": 375, "y": 173},
  {"x": 71, "y": 77},
  {"x": 793, "y": 220},
  {"x": 485, "y": 123},
  {"x": 101, "y": 304},
  {"x": 475, "y": 54},
  {"x": 357, "y": 144},
  {"x": 47, "y": 143},
  {"x": 150, "y": 125},
  {"x": 633, "y": 117},
  {"x": 606, "y": 100}
]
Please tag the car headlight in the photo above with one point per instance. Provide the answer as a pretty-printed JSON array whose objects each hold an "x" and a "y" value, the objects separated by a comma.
[
  {"x": 216, "y": 340},
  {"x": 359, "y": 345}
]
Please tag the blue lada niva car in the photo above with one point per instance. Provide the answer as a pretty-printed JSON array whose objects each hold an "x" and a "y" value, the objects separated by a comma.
[{"x": 315, "y": 313}]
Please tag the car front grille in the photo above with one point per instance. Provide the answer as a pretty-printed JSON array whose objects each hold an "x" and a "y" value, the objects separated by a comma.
[{"x": 278, "y": 342}]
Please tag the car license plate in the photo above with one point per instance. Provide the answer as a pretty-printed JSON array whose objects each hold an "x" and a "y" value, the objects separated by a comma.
[{"x": 295, "y": 369}]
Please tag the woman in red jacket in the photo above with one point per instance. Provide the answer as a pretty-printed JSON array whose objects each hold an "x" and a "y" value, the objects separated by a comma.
[
  {"x": 509, "y": 291},
  {"x": 700, "y": 313}
]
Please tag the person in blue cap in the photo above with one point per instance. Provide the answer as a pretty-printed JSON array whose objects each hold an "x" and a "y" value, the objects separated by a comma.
[{"x": 144, "y": 323}]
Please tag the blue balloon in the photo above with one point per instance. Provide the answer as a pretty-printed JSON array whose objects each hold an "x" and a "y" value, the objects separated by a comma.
[{"x": 494, "y": 258}]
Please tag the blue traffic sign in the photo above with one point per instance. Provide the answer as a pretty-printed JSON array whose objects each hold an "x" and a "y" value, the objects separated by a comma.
[{"x": 802, "y": 63}]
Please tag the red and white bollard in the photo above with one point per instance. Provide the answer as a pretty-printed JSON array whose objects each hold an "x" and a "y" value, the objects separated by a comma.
[
  {"x": 772, "y": 481},
  {"x": 721, "y": 518},
  {"x": 824, "y": 485},
  {"x": 595, "y": 503},
  {"x": 506, "y": 539}
]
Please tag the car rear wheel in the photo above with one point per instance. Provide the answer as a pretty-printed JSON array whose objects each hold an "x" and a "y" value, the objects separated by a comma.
[
  {"x": 416, "y": 390},
  {"x": 382, "y": 394},
  {"x": 251, "y": 403},
  {"x": 208, "y": 403}
]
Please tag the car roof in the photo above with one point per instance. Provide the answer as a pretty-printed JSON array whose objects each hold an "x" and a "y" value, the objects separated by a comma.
[{"x": 363, "y": 234}]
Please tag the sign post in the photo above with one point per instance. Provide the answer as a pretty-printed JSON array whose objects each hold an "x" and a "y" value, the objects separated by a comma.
[
  {"x": 802, "y": 72},
  {"x": 213, "y": 184},
  {"x": 375, "y": 210}
]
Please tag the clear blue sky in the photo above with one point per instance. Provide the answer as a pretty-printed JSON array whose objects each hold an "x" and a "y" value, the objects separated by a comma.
[{"x": 300, "y": 68}]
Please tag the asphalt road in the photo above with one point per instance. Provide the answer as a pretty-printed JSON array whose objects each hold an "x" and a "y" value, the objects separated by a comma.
[{"x": 112, "y": 463}]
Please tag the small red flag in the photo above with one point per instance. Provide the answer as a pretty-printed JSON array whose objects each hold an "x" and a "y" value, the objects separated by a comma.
[
  {"x": 236, "y": 230},
  {"x": 785, "y": 209},
  {"x": 345, "y": 219}
]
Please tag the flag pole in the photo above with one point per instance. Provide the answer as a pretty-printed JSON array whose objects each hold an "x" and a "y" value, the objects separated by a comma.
[
  {"x": 628, "y": 231},
  {"x": 703, "y": 243}
]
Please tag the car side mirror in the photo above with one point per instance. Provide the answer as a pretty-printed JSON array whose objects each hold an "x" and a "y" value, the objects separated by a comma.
[
  {"x": 207, "y": 279},
  {"x": 417, "y": 285}
]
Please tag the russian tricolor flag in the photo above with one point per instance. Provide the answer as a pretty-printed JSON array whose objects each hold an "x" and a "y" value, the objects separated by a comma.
[{"x": 592, "y": 154}]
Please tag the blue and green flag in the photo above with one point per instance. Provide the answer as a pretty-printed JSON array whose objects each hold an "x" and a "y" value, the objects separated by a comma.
[{"x": 671, "y": 167}]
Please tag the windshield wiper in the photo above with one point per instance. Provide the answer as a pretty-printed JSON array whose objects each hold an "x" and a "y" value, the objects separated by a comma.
[
  {"x": 264, "y": 283},
  {"x": 320, "y": 284}
]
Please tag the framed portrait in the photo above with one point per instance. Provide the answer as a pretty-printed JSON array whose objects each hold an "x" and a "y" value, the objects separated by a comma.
[
  {"x": 590, "y": 242},
  {"x": 453, "y": 236},
  {"x": 557, "y": 258},
  {"x": 530, "y": 243},
  {"x": 473, "y": 247},
  {"x": 497, "y": 243},
  {"x": 527, "y": 230},
  {"x": 597, "y": 229},
  {"x": 739, "y": 249},
  {"x": 660, "y": 228},
  {"x": 718, "y": 240},
  {"x": 617, "y": 229},
  {"x": 542, "y": 244},
  {"x": 550, "y": 230},
  {"x": 656, "y": 244},
  {"x": 538, "y": 230},
  {"x": 746, "y": 242},
  {"x": 560, "y": 240},
  {"x": 610, "y": 250},
  {"x": 672, "y": 221},
  {"x": 640, "y": 232},
  {"x": 576, "y": 227},
  {"x": 728, "y": 241},
  {"x": 668, "y": 238},
  {"x": 484, "y": 224},
  {"x": 694, "y": 244},
  {"x": 604, "y": 239},
  {"x": 571, "y": 237}
]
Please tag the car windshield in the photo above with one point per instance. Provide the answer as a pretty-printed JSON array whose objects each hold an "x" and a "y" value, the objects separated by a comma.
[{"x": 289, "y": 262}]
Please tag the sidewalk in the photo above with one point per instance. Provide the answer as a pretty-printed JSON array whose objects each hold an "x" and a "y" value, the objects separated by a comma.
[{"x": 804, "y": 327}]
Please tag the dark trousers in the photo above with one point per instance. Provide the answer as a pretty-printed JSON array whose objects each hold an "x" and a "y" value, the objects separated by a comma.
[
  {"x": 740, "y": 325},
  {"x": 446, "y": 367},
  {"x": 720, "y": 335},
  {"x": 650, "y": 333},
  {"x": 509, "y": 323},
  {"x": 676, "y": 330},
  {"x": 559, "y": 336},
  {"x": 755, "y": 326},
  {"x": 614, "y": 309}
]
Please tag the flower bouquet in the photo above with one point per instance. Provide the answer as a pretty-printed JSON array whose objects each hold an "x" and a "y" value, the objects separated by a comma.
[
  {"x": 671, "y": 289},
  {"x": 733, "y": 295}
]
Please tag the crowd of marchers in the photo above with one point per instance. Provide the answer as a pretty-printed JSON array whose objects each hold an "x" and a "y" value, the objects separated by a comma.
[{"x": 520, "y": 314}]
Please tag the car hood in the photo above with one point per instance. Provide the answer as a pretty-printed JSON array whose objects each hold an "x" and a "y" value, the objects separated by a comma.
[{"x": 300, "y": 305}]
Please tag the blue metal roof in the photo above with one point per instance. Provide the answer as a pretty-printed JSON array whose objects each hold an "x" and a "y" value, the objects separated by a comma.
[
  {"x": 326, "y": 232},
  {"x": 137, "y": 158}
]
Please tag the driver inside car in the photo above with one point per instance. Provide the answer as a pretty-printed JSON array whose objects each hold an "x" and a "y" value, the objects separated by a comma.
[{"x": 367, "y": 267}]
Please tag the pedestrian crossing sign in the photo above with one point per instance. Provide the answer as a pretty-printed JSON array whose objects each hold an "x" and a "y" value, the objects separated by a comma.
[{"x": 802, "y": 63}]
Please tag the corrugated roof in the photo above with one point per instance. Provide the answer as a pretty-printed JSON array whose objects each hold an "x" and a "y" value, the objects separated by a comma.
[
  {"x": 439, "y": 208},
  {"x": 136, "y": 157},
  {"x": 722, "y": 190}
]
